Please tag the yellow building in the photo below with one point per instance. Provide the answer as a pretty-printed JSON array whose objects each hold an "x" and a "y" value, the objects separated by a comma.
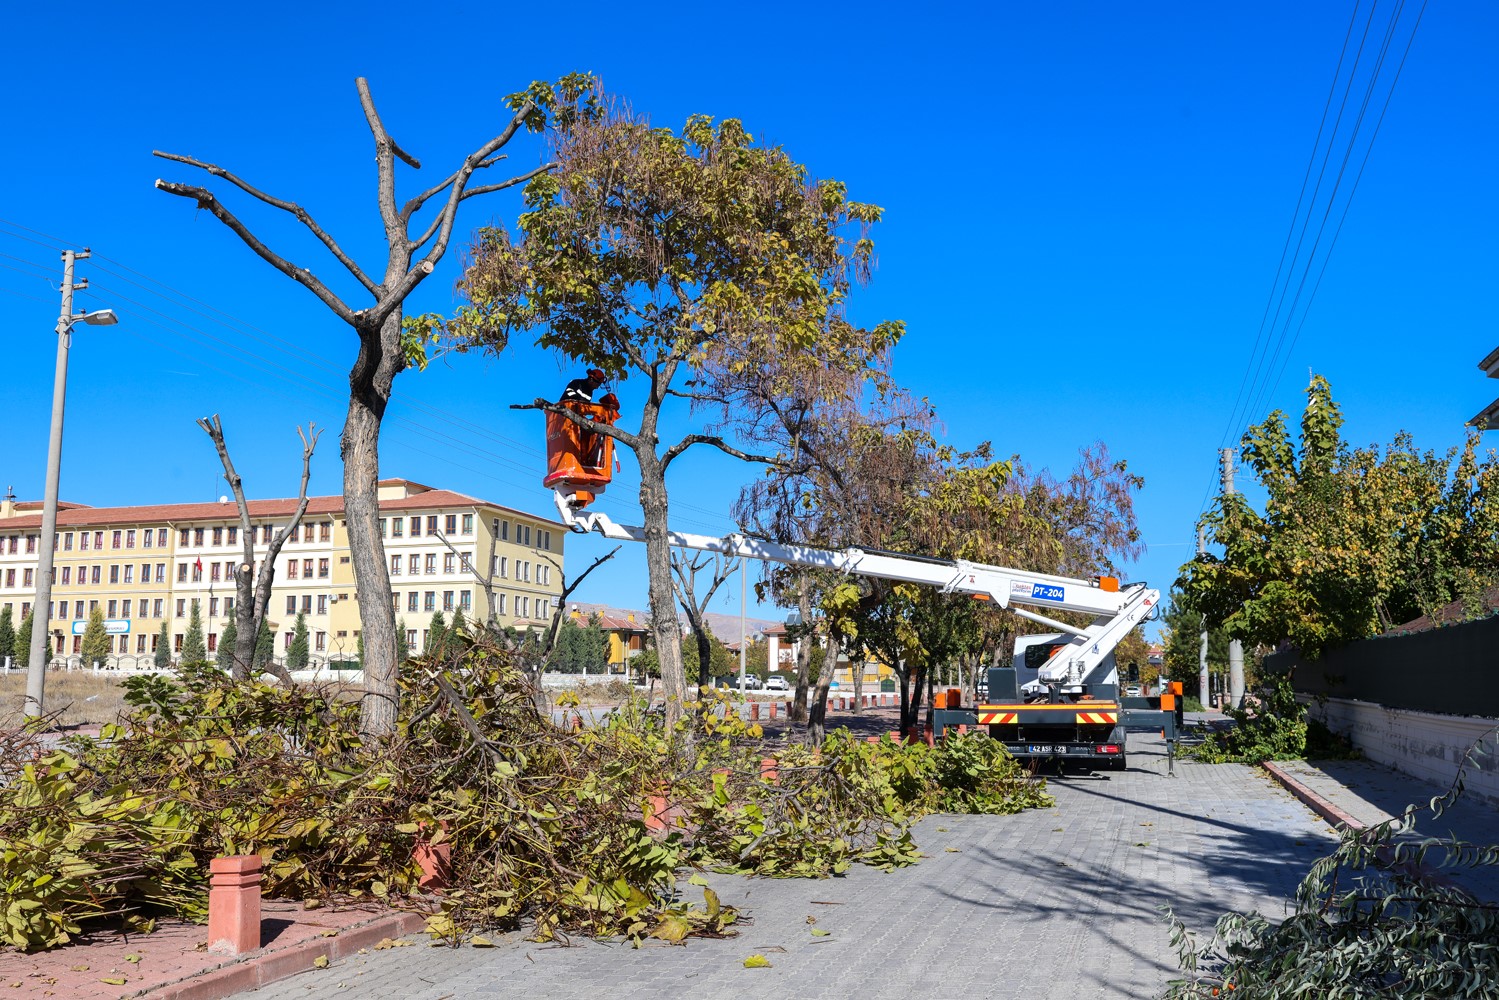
[{"x": 145, "y": 566}]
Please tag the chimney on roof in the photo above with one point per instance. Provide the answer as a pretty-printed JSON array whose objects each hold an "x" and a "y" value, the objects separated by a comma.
[
  {"x": 631, "y": 617},
  {"x": 8, "y": 505}
]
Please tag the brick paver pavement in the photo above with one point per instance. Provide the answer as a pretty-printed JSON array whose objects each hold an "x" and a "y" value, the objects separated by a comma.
[{"x": 1050, "y": 903}]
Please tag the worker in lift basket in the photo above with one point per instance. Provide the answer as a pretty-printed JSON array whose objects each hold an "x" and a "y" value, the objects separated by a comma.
[{"x": 581, "y": 390}]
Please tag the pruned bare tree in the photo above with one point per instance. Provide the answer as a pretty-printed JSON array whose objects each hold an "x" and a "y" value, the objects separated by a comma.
[
  {"x": 686, "y": 567},
  {"x": 388, "y": 342},
  {"x": 252, "y": 591}
]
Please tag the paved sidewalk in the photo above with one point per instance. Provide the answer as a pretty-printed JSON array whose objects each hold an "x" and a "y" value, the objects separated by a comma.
[
  {"x": 1050, "y": 903},
  {"x": 1371, "y": 793}
]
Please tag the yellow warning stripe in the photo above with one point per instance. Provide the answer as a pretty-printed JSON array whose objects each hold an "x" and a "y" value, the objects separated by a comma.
[
  {"x": 1044, "y": 706},
  {"x": 1007, "y": 717}
]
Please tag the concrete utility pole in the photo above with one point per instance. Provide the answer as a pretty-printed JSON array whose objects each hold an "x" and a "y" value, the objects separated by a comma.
[
  {"x": 41, "y": 619},
  {"x": 1235, "y": 648},
  {"x": 743, "y": 582},
  {"x": 1203, "y": 693}
]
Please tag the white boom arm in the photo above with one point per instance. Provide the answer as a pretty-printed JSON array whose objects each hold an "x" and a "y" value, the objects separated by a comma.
[{"x": 1115, "y": 612}]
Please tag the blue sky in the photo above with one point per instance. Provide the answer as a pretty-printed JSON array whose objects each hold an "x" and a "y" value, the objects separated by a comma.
[{"x": 1085, "y": 206}]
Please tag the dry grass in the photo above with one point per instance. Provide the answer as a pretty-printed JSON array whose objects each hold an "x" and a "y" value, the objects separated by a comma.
[{"x": 80, "y": 697}]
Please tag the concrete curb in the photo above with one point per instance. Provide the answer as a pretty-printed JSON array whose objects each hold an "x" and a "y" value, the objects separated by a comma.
[
  {"x": 1316, "y": 803},
  {"x": 270, "y": 964}
]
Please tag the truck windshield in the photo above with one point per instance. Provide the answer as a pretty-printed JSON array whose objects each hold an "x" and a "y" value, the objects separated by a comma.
[{"x": 1036, "y": 656}]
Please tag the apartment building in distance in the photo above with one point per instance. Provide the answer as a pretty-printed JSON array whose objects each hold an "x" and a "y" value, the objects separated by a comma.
[{"x": 145, "y": 566}]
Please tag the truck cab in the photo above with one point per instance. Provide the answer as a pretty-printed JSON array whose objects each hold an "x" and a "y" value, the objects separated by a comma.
[{"x": 1034, "y": 651}]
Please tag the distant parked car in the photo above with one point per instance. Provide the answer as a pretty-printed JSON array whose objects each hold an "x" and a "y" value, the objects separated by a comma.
[
  {"x": 777, "y": 684},
  {"x": 751, "y": 683},
  {"x": 1132, "y": 692}
]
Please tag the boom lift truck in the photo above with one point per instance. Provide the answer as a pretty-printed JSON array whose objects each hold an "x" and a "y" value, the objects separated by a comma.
[{"x": 1076, "y": 717}]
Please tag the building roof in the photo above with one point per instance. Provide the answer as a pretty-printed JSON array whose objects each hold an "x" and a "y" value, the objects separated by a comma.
[
  {"x": 612, "y": 619},
  {"x": 77, "y": 515},
  {"x": 1449, "y": 614},
  {"x": 1487, "y": 418},
  {"x": 1490, "y": 363}
]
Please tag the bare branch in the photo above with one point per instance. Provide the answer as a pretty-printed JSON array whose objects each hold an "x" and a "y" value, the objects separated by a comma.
[
  {"x": 721, "y": 445},
  {"x": 286, "y": 206},
  {"x": 410, "y": 208},
  {"x": 483, "y": 189},
  {"x": 301, "y": 275},
  {"x": 632, "y": 441},
  {"x": 377, "y": 127},
  {"x": 567, "y": 589}
]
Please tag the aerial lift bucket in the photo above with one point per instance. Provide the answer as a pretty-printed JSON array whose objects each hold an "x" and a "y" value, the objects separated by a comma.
[{"x": 580, "y": 462}]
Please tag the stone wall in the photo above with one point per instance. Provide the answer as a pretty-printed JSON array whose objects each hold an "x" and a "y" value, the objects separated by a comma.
[{"x": 1423, "y": 745}]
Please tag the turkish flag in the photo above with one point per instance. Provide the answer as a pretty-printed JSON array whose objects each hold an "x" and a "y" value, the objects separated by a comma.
[{"x": 199, "y": 564}]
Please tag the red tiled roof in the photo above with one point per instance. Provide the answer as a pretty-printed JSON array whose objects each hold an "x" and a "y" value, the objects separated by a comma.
[{"x": 75, "y": 516}]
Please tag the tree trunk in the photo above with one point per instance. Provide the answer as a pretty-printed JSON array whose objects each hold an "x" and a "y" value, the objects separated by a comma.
[
  {"x": 798, "y": 712},
  {"x": 664, "y": 628},
  {"x": 369, "y": 391},
  {"x": 817, "y": 714},
  {"x": 858, "y": 678}
]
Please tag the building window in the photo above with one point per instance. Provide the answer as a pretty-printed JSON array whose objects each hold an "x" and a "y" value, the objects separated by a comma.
[
  {"x": 94, "y": 574},
  {"x": 233, "y": 535},
  {"x": 325, "y": 532},
  {"x": 265, "y": 534},
  {"x": 411, "y": 600},
  {"x": 291, "y": 569},
  {"x": 214, "y": 571},
  {"x": 395, "y": 565},
  {"x": 161, "y": 572},
  {"x": 218, "y": 536},
  {"x": 450, "y": 524},
  {"x": 116, "y": 539},
  {"x": 114, "y": 573},
  {"x": 156, "y": 607},
  {"x": 431, "y": 524},
  {"x": 67, "y": 573},
  {"x": 320, "y": 641},
  {"x": 198, "y": 536},
  {"x": 83, "y": 541},
  {"x": 30, "y": 544},
  {"x": 307, "y": 530},
  {"x": 504, "y": 571},
  {"x": 431, "y": 563},
  {"x": 322, "y": 604},
  {"x": 307, "y": 569},
  {"x": 286, "y": 641},
  {"x": 395, "y": 601},
  {"x": 414, "y": 564},
  {"x": 306, "y": 604},
  {"x": 77, "y": 608},
  {"x": 525, "y": 606},
  {"x": 467, "y": 562},
  {"x": 448, "y": 561},
  {"x": 181, "y": 607},
  {"x": 112, "y": 609},
  {"x": 27, "y": 578},
  {"x": 182, "y": 572},
  {"x": 213, "y": 607},
  {"x": 447, "y": 600},
  {"x": 429, "y": 601},
  {"x": 523, "y": 571},
  {"x": 146, "y": 538},
  {"x": 541, "y": 608},
  {"x": 228, "y": 605},
  {"x": 125, "y": 608},
  {"x": 468, "y": 524},
  {"x": 198, "y": 571},
  {"x": 322, "y": 569},
  {"x": 410, "y": 638},
  {"x": 416, "y": 526},
  {"x": 213, "y": 642},
  {"x": 466, "y": 600},
  {"x": 130, "y": 572},
  {"x": 177, "y": 643},
  {"x": 140, "y": 643},
  {"x": 291, "y": 604},
  {"x": 426, "y": 637},
  {"x": 397, "y": 527},
  {"x": 499, "y": 604}
]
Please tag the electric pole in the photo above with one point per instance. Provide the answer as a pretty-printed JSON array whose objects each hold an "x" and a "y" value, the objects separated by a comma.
[
  {"x": 1203, "y": 693},
  {"x": 1235, "y": 648},
  {"x": 41, "y": 610},
  {"x": 743, "y": 580}
]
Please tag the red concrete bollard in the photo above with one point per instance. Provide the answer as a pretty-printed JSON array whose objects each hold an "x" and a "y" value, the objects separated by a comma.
[
  {"x": 234, "y": 904},
  {"x": 435, "y": 861},
  {"x": 754, "y": 711},
  {"x": 962, "y": 729},
  {"x": 772, "y": 711},
  {"x": 768, "y": 770},
  {"x": 657, "y": 817}
]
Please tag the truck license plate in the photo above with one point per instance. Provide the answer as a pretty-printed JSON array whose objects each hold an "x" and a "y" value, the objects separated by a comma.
[{"x": 1045, "y": 748}]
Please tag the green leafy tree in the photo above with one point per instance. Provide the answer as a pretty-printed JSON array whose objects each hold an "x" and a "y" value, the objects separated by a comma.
[
  {"x": 97, "y": 644},
  {"x": 1352, "y": 541},
  {"x": 297, "y": 652},
  {"x": 194, "y": 649},
  {"x": 265, "y": 648},
  {"x": 7, "y": 633},
  {"x": 163, "y": 657},
  {"x": 437, "y": 633},
  {"x": 227, "y": 638},
  {"x": 23, "y": 641},
  {"x": 707, "y": 264}
]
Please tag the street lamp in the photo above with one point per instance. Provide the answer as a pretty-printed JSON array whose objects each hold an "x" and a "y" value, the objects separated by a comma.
[{"x": 36, "y": 666}]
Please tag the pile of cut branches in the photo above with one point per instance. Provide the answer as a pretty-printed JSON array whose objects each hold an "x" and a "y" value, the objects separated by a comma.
[{"x": 578, "y": 830}]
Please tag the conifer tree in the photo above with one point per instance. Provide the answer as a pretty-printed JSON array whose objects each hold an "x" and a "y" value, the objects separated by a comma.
[
  {"x": 97, "y": 643},
  {"x": 23, "y": 642},
  {"x": 163, "y": 657},
  {"x": 265, "y": 648},
  {"x": 403, "y": 648},
  {"x": 227, "y": 639},
  {"x": 296, "y": 653},
  {"x": 7, "y": 633},
  {"x": 194, "y": 649},
  {"x": 438, "y": 634}
]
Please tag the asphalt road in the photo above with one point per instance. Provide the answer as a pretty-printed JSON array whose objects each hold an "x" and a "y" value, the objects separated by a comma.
[{"x": 1050, "y": 903}]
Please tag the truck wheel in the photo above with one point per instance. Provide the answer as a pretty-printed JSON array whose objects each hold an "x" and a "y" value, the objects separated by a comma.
[{"x": 1119, "y": 763}]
